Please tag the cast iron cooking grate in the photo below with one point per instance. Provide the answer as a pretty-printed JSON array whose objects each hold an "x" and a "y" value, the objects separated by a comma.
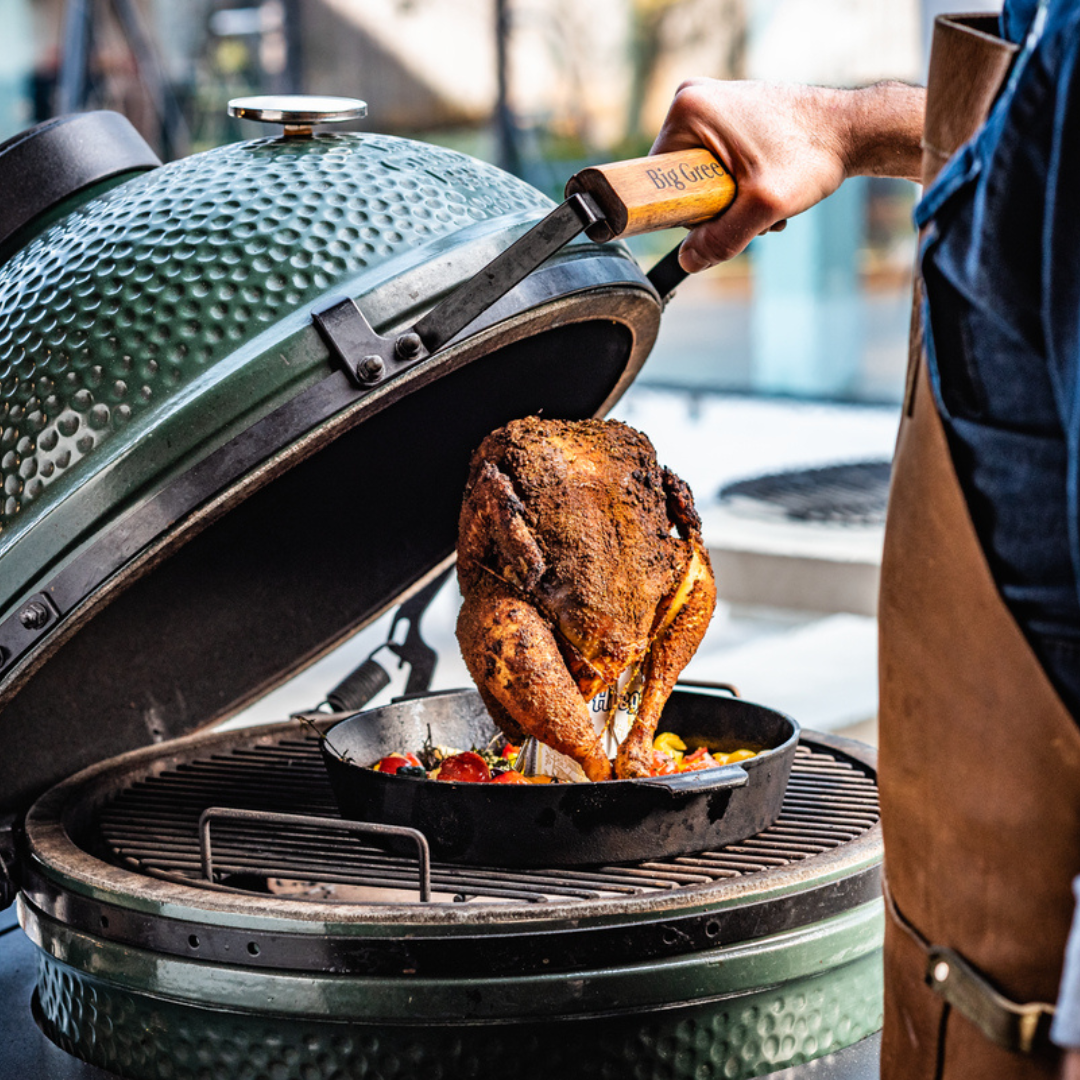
[
  {"x": 152, "y": 827},
  {"x": 850, "y": 494}
]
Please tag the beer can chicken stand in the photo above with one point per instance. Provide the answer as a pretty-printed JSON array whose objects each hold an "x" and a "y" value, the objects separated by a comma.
[{"x": 580, "y": 559}]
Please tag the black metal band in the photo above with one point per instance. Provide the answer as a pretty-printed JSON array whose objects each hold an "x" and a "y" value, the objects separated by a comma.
[{"x": 470, "y": 955}]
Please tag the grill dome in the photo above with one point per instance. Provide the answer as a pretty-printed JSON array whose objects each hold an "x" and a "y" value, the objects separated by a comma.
[{"x": 159, "y": 369}]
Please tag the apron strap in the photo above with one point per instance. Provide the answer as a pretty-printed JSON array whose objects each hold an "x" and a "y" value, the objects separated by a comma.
[
  {"x": 1023, "y": 1028},
  {"x": 969, "y": 65}
]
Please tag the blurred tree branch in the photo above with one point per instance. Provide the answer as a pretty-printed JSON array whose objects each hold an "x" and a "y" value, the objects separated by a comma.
[{"x": 660, "y": 27}]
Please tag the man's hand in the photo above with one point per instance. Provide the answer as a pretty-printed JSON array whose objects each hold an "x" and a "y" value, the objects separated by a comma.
[{"x": 788, "y": 147}]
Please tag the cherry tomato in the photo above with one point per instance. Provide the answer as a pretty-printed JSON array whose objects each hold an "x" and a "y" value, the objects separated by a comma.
[
  {"x": 699, "y": 759},
  {"x": 509, "y": 751},
  {"x": 663, "y": 764},
  {"x": 509, "y": 777},
  {"x": 392, "y": 762},
  {"x": 469, "y": 767}
]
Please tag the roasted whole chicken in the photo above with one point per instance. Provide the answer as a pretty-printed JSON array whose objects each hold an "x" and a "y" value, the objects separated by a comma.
[{"x": 579, "y": 559}]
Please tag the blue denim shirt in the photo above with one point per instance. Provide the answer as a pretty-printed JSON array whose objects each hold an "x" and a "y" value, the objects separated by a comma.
[{"x": 1001, "y": 262}]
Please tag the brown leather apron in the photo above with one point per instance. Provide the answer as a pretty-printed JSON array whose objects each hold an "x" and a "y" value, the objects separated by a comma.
[{"x": 979, "y": 759}]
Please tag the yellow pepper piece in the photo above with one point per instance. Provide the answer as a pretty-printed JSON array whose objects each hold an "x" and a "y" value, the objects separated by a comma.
[
  {"x": 670, "y": 744},
  {"x": 735, "y": 755},
  {"x": 740, "y": 755}
]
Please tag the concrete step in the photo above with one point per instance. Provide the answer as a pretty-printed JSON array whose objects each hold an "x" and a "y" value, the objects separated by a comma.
[
  {"x": 822, "y": 672},
  {"x": 802, "y": 566}
]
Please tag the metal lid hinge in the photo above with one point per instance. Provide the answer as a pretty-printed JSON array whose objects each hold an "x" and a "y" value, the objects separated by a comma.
[{"x": 369, "y": 358}]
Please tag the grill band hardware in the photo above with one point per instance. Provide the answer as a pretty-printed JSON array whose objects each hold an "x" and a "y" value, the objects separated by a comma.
[
  {"x": 1023, "y": 1028},
  {"x": 475, "y": 955},
  {"x": 33, "y": 618}
]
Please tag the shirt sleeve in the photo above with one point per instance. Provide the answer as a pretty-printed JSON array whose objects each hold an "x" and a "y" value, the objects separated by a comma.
[
  {"x": 1061, "y": 321},
  {"x": 1061, "y": 260},
  {"x": 1065, "y": 1030},
  {"x": 1016, "y": 16}
]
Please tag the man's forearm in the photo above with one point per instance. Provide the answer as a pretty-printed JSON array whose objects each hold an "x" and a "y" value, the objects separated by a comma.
[
  {"x": 788, "y": 146},
  {"x": 885, "y": 125}
]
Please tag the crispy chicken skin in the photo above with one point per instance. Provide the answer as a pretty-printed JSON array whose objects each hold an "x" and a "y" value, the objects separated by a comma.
[{"x": 578, "y": 558}]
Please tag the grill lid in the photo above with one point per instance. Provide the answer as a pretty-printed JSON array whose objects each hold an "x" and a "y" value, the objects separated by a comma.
[{"x": 197, "y": 500}]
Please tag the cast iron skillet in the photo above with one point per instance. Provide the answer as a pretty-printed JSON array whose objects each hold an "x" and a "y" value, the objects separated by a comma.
[{"x": 564, "y": 824}]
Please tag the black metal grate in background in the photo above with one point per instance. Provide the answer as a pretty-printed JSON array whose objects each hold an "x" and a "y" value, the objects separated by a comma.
[
  {"x": 851, "y": 494},
  {"x": 152, "y": 827}
]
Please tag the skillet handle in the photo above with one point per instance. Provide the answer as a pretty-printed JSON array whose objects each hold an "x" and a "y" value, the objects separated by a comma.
[
  {"x": 650, "y": 193},
  {"x": 728, "y": 777}
]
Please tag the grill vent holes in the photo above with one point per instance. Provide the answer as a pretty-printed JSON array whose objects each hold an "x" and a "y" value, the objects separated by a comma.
[
  {"x": 253, "y": 948},
  {"x": 104, "y": 922},
  {"x": 193, "y": 941},
  {"x": 712, "y": 928}
]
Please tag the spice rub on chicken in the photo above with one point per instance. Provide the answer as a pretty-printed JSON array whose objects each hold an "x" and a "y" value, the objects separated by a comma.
[{"x": 579, "y": 558}]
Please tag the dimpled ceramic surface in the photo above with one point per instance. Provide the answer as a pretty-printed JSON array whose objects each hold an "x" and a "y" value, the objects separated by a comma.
[
  {"x": 114, "y": 314},
  {"x": 747, "y": 1035}
]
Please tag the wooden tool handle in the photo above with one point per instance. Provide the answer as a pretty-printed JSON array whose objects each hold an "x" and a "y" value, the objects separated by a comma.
[{"x": 650, "y": 193}]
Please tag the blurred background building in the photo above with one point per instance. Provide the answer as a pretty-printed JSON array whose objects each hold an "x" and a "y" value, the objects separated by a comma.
[
  {"x": 789, "y": 359},
  {"x": 541, "y": 87}
]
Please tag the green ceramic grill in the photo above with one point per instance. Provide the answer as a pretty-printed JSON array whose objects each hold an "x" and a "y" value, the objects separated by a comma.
[
  {"x": 239, "y": 396},
  {"x": 201, "y": 493}
]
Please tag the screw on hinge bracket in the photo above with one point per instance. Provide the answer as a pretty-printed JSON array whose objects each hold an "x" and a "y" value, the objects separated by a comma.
[
  {"x": 367, "y": 357},
  {"x": 9, "y": 886},
  {"x": 20, "y": 631},
  {"x": 359, "y": 349}
]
